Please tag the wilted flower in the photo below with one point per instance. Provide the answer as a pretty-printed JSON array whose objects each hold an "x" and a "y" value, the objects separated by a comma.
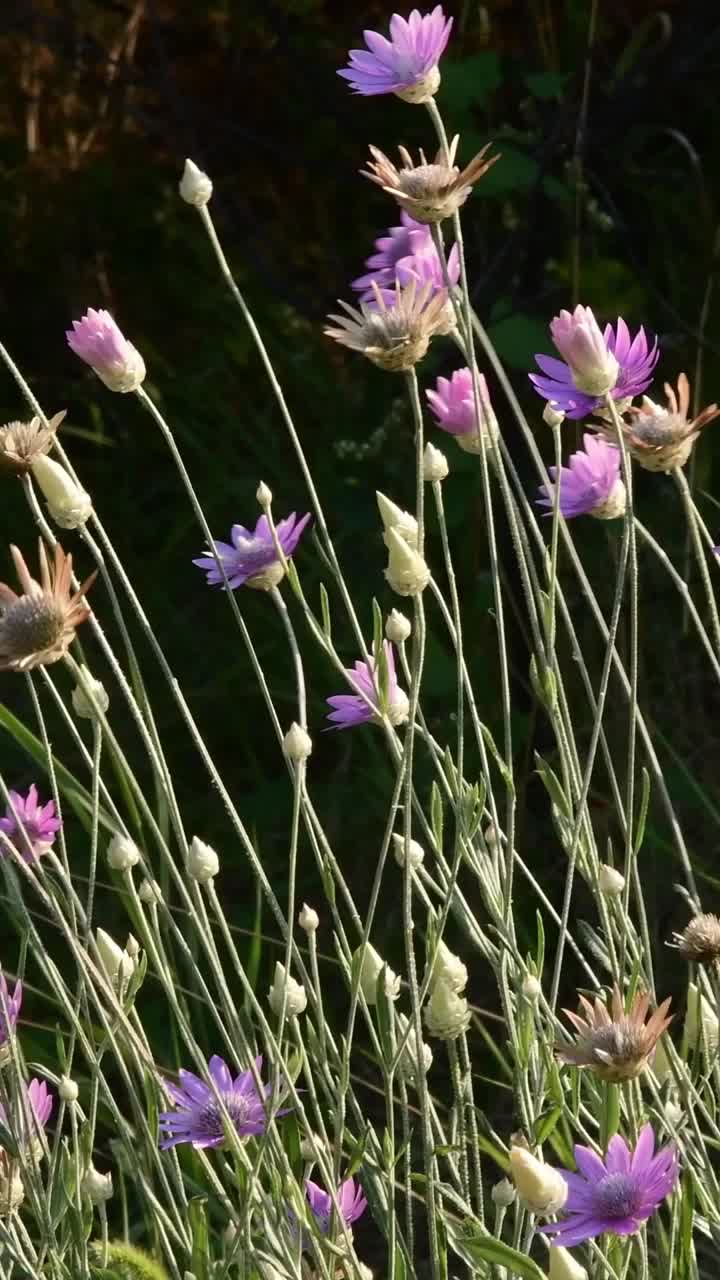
[
  {"x": 285, "y": 990},
  {"x": 542, "y": 1188},
  {"x": 349, "y": 1196},
  {"x": 252, "y": 559},
  {"x": 371, "y": 966},
  {"x": 562, "y": 1265},
  {"x": 700, "y": 939},
  {"x": 22, "y": 443},
  {"x": 98, "y": 1187},
  {"x": 428, "y": 192},
  {"x": 412, "y": 1063},
  {"x": 297, "y": 743},
  {"x": 68, "y": 504},
  {"x": 351, "y": 709},
  {"x": 398, "y": 628},
  {"x": 590, "y": 484},
  {"x": 195, "y": 187},
  {"x": 393, "y": 332},
  {"x": 407, "y": 63},
  {"x": 616, "y": 1045},
  {"x": 661, "y": 438},
  {"x": 98, "y": 341},
  {"x": 200, "y": 1118},
  {"x": 38, "y": 627},
  {"x": 122, "y": 853},
  {"x": 393, "y": 517},
  {"x": 635, "y": 360},
  {"x": 446, "y": 1015},
  {"x": 610, "y": 882},
  {"x": 701, "y": 1021},
  {"x": 407, "y": 572},
  {"x": 88, "y": 695},
  {"x": 615, "y": 1196},
  {"x": 453, "y": 404},
  {"x": 28, "y": 826},
  {"x": 10, "y": 1006}
]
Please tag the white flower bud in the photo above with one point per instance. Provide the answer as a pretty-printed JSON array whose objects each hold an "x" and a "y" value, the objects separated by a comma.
[
  {"x": 563, "y": 1266},
  {"x": 435, "y": 466},
  {"x": 118, "y": 964},
  {"x": 398, "y": 628},
  {"x": 491, "y": 836},
  {"x": 417, "y": 852},
  {"x": 701, "y": 1021},
  {"x": 552, "y": 416},
  {"x": 195, "y": 187},
  {"x": 407, "y": 572},
  {"x": 610, "y": 882},
  {"x": 446, "y": 1014},
  {"x": 68, "y": 1089},
  {"x": 308, "y": 919},
  {"x": 85, "y": 693},
  {"x": 150, "y": 891},
  {"x": 393, "y": 517},
  {"x": 132, "y": 946},
  {"x": 122, "y": 853},
  {"x": 503, "y": 1194},
  {"x": 68, "y": 504},
  {"x": 285, "y": 988},
  {"x": 203, "y": 863},
  {"x": 230, "y": 1234},
  {"x": 263, "y": 496},
  {"x": 371, "y": 968},
  {"x": 297, "y": 743},
  {"x": 531, "y": 988},
  {"x": 450, "y": 969},
  {"x": 410, "y": 1060},
  {"x": 542, "y": 1188},
  {"x": 97, "y": 1186},
  {"x": 673, "y": 1113}
]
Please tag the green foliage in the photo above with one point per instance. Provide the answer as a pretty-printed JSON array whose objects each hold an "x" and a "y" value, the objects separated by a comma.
[{"x": 125, "y": 1262}]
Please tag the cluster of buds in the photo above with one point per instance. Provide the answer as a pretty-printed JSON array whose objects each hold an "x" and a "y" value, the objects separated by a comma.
[
  {"x": 446, "y": 1013},
  {"x": 407, "y": 572}
]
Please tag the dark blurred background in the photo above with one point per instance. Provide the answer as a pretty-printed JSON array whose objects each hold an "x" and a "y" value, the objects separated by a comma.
[{"x": 607, "y": 117}]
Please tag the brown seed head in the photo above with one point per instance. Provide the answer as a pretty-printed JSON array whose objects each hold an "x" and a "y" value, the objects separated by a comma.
[
  {"x": 395, "y": 338},
  {"x": 661, "y": 438},
  {"x": 38, "y": 627},
  {"x": 700, "y": 940},
  {"x": 22, "y": 442},
  {"x": 615, "y": 1045},
  {"x": 428, "y": 192}
]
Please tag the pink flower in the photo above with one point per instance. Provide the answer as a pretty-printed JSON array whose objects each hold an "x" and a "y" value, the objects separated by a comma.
[
  {"x": 350, "y": 709},
  {"x": 98, "y": 341},
  {"x": 28, "y": 825},
  {"x": 407, "y": 63}
]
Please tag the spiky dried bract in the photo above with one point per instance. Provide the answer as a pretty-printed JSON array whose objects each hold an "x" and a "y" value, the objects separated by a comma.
[
  {"x": 700, "y": 939},
  {"x": 429, "y": 192},
  {"x": 615, "y": 1045},
  {"x": 394, "y": 337},
  {"x": 22, "y": 442},
  {"x": 38, "y": 627},
  {"x": 661, "y": 439}
]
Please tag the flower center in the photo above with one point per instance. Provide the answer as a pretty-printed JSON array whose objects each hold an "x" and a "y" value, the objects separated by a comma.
[
  {"x": 238, "y": 1107},
  {"x": 30, "y": 625},
  {"x": 618, "y": 1196}
]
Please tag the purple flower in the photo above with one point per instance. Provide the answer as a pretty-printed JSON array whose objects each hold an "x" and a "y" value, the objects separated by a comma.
[
  {"x": 618, "y": 1195},
  {"x": 29, "y": 826},
  {"x": 350, "y": 1198},
  {"x": 406, "y": 253},
  {"x": 351, "y": 709},
  {"x": 635, "y": 358},
  {"x": 407, "y": 63},
  {"x": 9, "y": 1010},
  {"x": 453, "y": 404},
  {"x": 590, "y": 484},
  {"x": 252, "y": 559},
  {"x": 98, "y": 341},
  {"x": 199, "y": 1118},
  {"x": 37, "y": 1103}
]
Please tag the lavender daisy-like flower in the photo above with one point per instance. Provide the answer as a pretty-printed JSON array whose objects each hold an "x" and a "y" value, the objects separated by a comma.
[
  {"x": 28, "y": 825},
  {"x": 98, "y": 341},
  {"x": 421, "y": 265},
  {"x": 10, "y": 1006},
  {"x": 617, "y": 1195},
  {"x": 453, "y": 404},
  {"x": 252, "y": 560},
  {"x": 351, "y": 709},
  {"x": 350, "y": 1198},
  {"x": 635, "y": 359},
  {"x": 199, "y": 1119},
  {"x": 37, "y": 1103},
  {"x": 407, "y": 63},
  {"x": 400, "y": 242},
  {"x": 590, "y": 484}
]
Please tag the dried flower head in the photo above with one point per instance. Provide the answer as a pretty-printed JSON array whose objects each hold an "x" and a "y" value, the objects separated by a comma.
[
  {"x": 38, "y": 627},
  {"x": 700, "y": 939},
  {"x": 21, "y": 443},
  {"x": 428, "y": 192},
  {"x": 395, "y": 337},
  {"x": 660, "y": 439},
  {"x": 616, "y": 1045}
]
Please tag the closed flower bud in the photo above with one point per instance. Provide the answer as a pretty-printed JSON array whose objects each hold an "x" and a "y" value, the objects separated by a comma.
[
  {"x": 610, "y": 882},
  {"x": 286, "y": 990},
  {"x": 132, "y": 946},
  {"x": 118, "y": 964},
  {"x": 673, "y": 1113},
  {"x": 446, "y": 1014},
  {"x": 553, "y": 416},
  {"x": 411, "y": 1062},
  {"x": 97, "y": 1186},
  {"x": 542, "y": 1188},
  {"x": 195, "y": 187},
  {"x": 68, "y": 1089},
  {"x": 308, "y": 919},
  {"x": 263, "y": 495},
  {"x": 98, "y": 341},
  {"x": 122, "y": 853},
  {"x": 563, "y": 1266},
  {"x": 531, "y": 988},
  {"x": 87, "y": 695},
  {"x": 449, "y": 968},
  {"x": 416, "y": 854},
  {"x": 398, "y": 628},
  {"x": 701, "y": 1023},
  {"x": 393, "y": 517},
  {"x": 407, "y": 572},
  {"x": 491, "y": 837},
  {"x": 297, "y": 743},
  {"x": 581, "y": 343},
  {"x": 68, "y": 504},
  {"x": 503, "y": 1194},
  {"x": 435, "y": 466},
  {"x": 371, "y": 968},
  {"x": 203, "y": 863},
  {"x": 150, "y": 891}
]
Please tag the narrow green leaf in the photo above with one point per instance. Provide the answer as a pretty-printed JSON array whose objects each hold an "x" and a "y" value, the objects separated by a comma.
[{"x": 325, "y": 610}]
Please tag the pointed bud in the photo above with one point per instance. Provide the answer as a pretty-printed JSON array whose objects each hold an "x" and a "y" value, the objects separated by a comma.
[
  {"x": 285, "y": 988},
  {"x": 407, "y": 572},
  {"x": 446, "y": 1014},
  {"x": 417, "y": 852},
  {"x": 371, "y": 968},
  {"x": 398, "y": 628},
  {"x": 150, "y": 891},
  {"x": 297, "y": 743},
  {"x": 87, "y": 695},
  {"x": 450, "y": 969},
  {"x": 563, "y": 1266},
  {"x": 263, "y": 496},
  {"x": 203, "y": 863},
  {"x": 531, "y": 988},
  {"x": 610, "y": 882},
  {"x": 552, "y": 416},
  {"x": 68, "y": 1089},
  {"x": 308, "y": 919},
  {"x": 118, "y": 964},
  {"x": 97, "y": 1186},
  {"x": 503, "y": 1194},
  {"x": 674, "y": 1114},
  {"x": 68, "y": 504},
  {"x": 435, "y": 466},
  {"x": 122, "y": 853},
  {"x": 542, "y": 1188},
  {"x": 195, "y": 187},
  {"x": 393, "y": 517}
]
